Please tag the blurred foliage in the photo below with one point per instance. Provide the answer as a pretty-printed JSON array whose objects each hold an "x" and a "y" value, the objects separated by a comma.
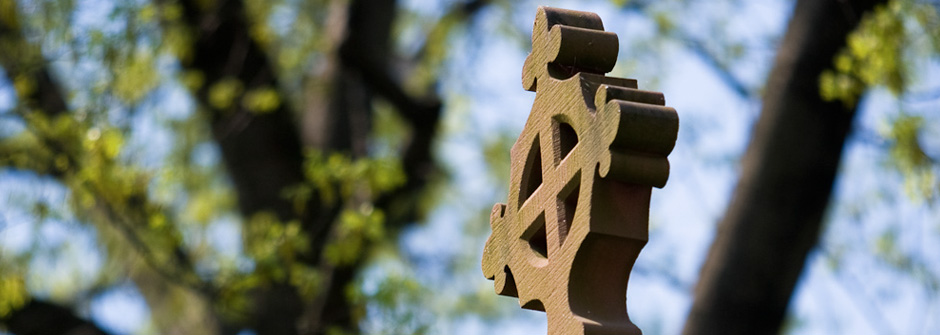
[
  {"x": 892, "y": 52},
  {"x": 908, "y": 157},
  {"x": 144, "y": 179},
  {"x": 337, "y": 178},
  {"x": 874, "y": 55},
  {"x": 396, "y": 297},
  {"x": 886, "y": 52},
  {"x": 13, "y": 293}
]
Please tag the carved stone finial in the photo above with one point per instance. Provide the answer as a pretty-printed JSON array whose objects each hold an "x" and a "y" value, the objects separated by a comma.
[{"x": 581, "y": 177}]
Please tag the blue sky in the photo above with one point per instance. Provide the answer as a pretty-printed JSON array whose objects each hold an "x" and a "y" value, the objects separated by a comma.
[
  {"x": 714, "y": 127},
  {"x": 485, "y": 99}
]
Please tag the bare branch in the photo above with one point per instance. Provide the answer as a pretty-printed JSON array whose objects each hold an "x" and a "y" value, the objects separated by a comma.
[
  {"x": 457, "y": 13},
  {"x": 666, "y": 277},
  {"x": 923, "y": 96},
  {"x": 854, "y": 288},
  {"x": 697, "y": 47},
  {"x": 724, "y": 73}
]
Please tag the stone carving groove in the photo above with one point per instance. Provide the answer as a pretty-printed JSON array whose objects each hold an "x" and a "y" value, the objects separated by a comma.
[{"x": 581, "y": 177}]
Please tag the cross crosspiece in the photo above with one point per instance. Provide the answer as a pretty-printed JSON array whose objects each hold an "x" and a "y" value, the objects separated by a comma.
[{"x": 581, "y": 177}]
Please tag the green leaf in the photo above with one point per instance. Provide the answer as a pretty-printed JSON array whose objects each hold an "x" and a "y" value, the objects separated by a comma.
[
  {"x": 262, "y": 100},
  {"x": 13, "y": 293},
  {"x": 223, "y": 93},
  {"x": 135, "y": 78}
]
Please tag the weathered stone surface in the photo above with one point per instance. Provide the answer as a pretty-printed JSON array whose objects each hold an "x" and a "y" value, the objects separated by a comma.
[{"x": 582, "y": 172}]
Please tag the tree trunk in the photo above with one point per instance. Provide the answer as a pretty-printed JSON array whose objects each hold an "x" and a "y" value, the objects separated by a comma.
[{"x": 787, "y": 176}]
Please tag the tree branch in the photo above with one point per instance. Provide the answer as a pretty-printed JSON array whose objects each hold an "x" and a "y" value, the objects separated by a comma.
[
  {"x": 665, "y": 275},
  {"x": 854, "y": 288},
  {"x": 422, "y": 113},
  {"x": 724, "y": 73},
  {"x": 261, "y": 151},
  {"x": 927, "y": 95},
  {"x": 24, "y": 63},
  {"x": 365, "y": 54},
  {"x": 698, "y": 48},
  {"x": 39, "y": 317},
  {"x": 787, "y": 175},
  {"x": 458, "y": 12},
  {"x": 40, "y": 93}
]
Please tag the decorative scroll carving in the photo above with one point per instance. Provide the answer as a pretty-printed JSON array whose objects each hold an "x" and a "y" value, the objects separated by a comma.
[{"x": 582, "y": 171}]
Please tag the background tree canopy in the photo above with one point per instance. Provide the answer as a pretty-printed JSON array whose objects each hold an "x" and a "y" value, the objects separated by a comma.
[{"x": 327, "y": 167}]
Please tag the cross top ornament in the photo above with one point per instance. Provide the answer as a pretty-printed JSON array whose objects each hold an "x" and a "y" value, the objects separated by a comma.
[{"x": 581, "y": 176}]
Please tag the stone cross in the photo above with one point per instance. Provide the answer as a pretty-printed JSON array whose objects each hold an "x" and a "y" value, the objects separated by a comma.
[{"x": 581, "y": 177}]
